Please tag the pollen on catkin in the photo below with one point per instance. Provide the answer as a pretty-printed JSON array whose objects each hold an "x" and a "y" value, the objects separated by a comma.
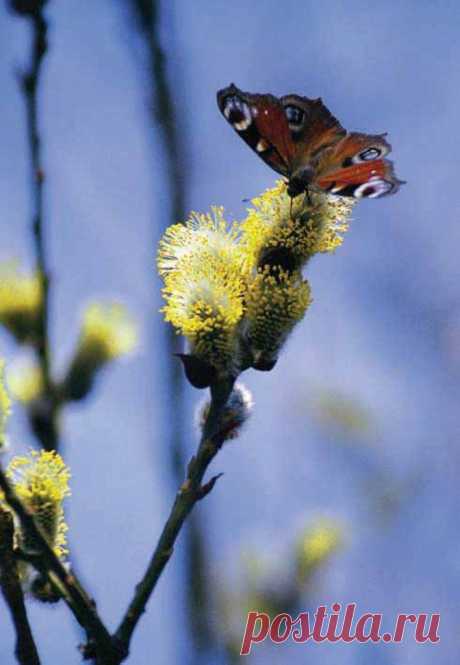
[
  {"x": 41, "y": 482},
  {"x": 275, "y": 301},
  {"x": 20, "y": 302},
  {"x": 202, "y": 268},
  {"x": 236, "y": 291},
  {"x": 209, "y": 232},
  {"x": 314, "y": 224}
]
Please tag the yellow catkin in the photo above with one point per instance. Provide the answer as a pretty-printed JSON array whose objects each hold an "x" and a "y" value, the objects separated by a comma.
[
  {"x": 276, "y": 300},
  {"x": 41, "y": 481},
  {"x": 108, "y": 328}
]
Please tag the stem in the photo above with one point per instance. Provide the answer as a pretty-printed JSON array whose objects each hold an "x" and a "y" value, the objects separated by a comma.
[
  {"x": 26, "y": 650},
  {"x": 190, "y": 492},
  {"x": 45, "y": 427},
  {"x": 163, "y": 111}
]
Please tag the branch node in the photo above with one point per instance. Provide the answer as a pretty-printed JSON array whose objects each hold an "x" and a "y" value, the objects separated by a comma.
[{"x": 207, "y": 487}]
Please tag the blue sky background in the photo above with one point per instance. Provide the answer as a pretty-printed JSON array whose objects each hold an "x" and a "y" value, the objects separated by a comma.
[{"x": 384, "y": 329}]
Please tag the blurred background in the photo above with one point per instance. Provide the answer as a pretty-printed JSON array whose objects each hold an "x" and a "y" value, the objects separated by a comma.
[{"x": 354, "y": 437}]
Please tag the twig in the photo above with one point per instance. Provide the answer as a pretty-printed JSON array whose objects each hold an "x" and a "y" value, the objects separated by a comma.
[
  {"x": 26, "y": 650},
  {"x": 45, "y": 428},
  {"x": 71, "y": 590},
  {"x": 164, "y": 115},
  {"x": 191, "y": 491}
]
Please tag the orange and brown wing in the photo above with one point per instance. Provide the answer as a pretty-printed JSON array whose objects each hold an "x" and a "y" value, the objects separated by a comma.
[
  {"x": 313, "y": 128},
  {"x": 356, "y": 166},
  {"x": 261, "y": 122}
]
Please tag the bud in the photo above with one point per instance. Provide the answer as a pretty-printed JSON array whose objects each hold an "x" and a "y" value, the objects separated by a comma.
[
  {"x": 25, "y": 379},
  {"x": 107, "y": 333},
  {"x": 234, "y": 415},
  {"x": 20, "y": 303}
]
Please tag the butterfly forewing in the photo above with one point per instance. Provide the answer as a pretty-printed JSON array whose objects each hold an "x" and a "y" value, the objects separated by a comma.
[
  {"x": 313, "y": 128},
  {"x": 261, "y": 122}
]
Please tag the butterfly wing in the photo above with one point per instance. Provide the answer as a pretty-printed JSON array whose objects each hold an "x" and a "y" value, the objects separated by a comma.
[
  {"x": 261, "y": 122},
  {"x": 313, "y": 128},
  {"x": 356, "y": 166},
  {"x": 299, "y": 138}
]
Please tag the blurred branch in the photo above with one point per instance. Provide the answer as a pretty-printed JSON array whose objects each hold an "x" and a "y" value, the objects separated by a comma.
[
  {"x": 163, "y": 112},
  {"x": 45, "y": 427},
  {"x": 190, "y": 492},
  {"x": 162, "y": 105},
  {"x": 26, "y": 650}
]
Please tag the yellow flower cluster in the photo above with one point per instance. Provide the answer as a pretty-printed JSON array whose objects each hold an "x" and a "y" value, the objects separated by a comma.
[
  {"x": 25, "y": 381},
  {"x": 276, "y": 300},
  {"x": 107, "y": 331},
  {"x": 306, "y": 230},
  {"x": 208, "y": 232},
  {"x": 202, "y": 268},
  {"x": 316, "y": 545},
  {"x": 41, "y": 481},
  {"x": 20, "y": 302},
  {"x": 5, "y": 406},
  {"x": 236, "y": 291}
]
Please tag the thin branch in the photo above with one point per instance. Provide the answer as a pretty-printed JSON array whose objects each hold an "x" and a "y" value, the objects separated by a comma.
[
  {"x": 46, "y": 561},
  {"x": 191, "y": 491},
  {"x": 44, "y": 427},
  {"x": 162, "y": 103},
  {"x": 103, "y": 648},
  {"x": 26, "y": 650},
  {"x": 163, "y": 112}
]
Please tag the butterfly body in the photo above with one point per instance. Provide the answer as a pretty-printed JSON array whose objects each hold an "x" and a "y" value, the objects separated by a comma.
[{"x": 300, "y": 139}]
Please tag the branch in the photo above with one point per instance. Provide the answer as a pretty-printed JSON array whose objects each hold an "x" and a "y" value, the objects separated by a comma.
[
  {"x": 190, "y": 492},
  {"x": 26, "y": 650},
  {"x": 45, "y": 426},
  {"x": 103, "y": 648},
  {"x": 164, "y": 114},
  {"x": 46, "y": 561}
]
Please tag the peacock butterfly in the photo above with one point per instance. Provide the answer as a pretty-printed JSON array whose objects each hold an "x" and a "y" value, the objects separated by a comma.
[{"x": 299, "y": 138}]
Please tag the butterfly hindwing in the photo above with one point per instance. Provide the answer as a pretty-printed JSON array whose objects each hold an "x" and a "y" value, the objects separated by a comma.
[{"x": 356, "y": 166}]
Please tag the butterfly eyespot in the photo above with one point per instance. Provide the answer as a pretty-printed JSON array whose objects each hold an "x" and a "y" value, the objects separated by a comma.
[
  {"x": 372, "y": 189},
  {"x": 369, "y": 154},
  {"x": 237, "y": 113},
  {"x": 295, "y": 117}
]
